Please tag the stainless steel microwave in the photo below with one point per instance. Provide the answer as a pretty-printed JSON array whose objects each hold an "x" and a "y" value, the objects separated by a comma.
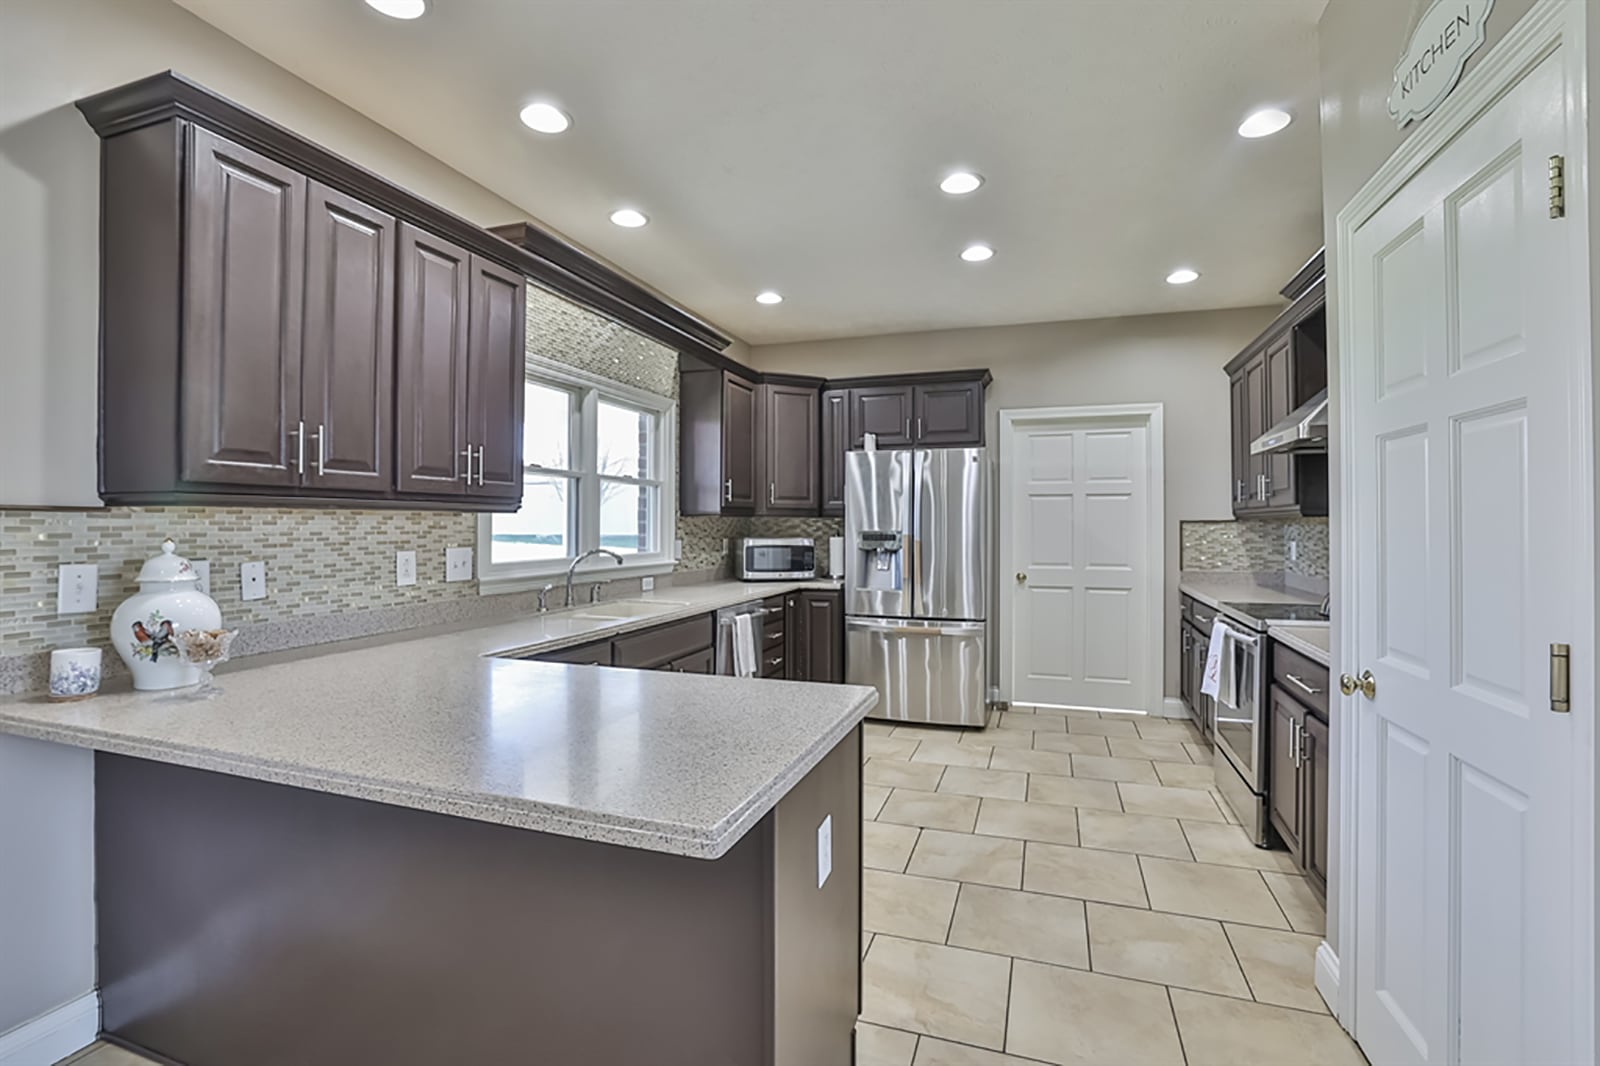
[{"x": 775, "y": 558}]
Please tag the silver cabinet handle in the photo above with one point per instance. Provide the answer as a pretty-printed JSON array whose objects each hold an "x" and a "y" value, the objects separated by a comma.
[
  {"x": 727, "y": 491},
  {"x": 775, "y": 661},
  {"x": 1238, "y": 490},
  {"x": 772, "y": 492},
  {"x": 919, "y": 429},
  {"x": 1302, "y": 686},
  {"x": 1294, "y": 743},
  {"x": 772, "y": 610},
  {"x": 467, "y": 451},
  {"x": 299, "y": 435},
  {"x": 1188, "y": 641},
  {"x": 322, "y": 447},
  {"x": 480, "y": 464},
  {"x": 908, "y": 429}
]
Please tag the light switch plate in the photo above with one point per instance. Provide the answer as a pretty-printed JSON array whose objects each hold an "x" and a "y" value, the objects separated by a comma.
[
  {"x": 253, "y": 581},
  {"x": 824, "y": 850},
  {"x": 405, "y": 568},
  {"x": 458, "y": 564},
  {"x": 1294, "y": 551},
  {"x": 677, "y": 549},
  {"x": 647, "y": 584},
  {"x": 202, "y": 570},
  {"x": 76, "y": 588}
]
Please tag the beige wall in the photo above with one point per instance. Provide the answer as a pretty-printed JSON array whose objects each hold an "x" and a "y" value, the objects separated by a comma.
[{"x": 1175, "y": 360}]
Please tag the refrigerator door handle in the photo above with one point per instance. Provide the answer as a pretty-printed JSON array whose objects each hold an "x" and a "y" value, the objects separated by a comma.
[{"x": 941, "y": 629}]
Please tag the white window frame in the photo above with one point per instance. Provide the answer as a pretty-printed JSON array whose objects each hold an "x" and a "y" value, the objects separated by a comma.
[{"x": 589, "y": 390}]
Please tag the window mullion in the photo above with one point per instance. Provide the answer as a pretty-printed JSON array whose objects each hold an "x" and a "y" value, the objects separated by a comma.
[{"x": 589, "y": 477}]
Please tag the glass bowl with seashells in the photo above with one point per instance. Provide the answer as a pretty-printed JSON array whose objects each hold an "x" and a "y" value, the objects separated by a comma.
[{"x": 204, "y": 649}]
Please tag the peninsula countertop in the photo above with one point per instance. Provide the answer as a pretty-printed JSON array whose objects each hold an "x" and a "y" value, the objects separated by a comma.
[{"x": 443, "y": 722}]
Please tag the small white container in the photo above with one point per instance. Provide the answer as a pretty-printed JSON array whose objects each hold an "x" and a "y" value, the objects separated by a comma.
[
  {"x": 144, "y": 627},
  {"x": 74, "y": 673}
]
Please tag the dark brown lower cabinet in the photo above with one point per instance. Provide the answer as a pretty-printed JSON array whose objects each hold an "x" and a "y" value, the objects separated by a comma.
[
  {"x": 1314, "y": 767},
  {"x": 816, "y": 636},
  {"x": 1297, "y": 774},
  {"x": 1285, "y": 786}
]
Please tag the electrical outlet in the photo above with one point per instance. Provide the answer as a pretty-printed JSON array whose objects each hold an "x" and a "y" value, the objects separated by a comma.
[
  {"x": 458, "y": 564},
  {"x": 647, "y": 584},
  {"x": 202, "y": 570},
  {"x": 405, "y": 568},
  {"x": 677, "y": 549},
  {"x": 1294, "y": 550},
  {"x": 253, "y": 581},
  {"x": 76, "y": 588}
]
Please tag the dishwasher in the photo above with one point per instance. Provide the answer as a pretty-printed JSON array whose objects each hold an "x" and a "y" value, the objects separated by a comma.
[{"x": 725, "y": 633}]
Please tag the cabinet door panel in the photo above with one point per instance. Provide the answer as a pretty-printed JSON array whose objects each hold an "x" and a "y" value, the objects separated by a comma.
[
  {"x": 496, "y": 374},
  {"x": 1243, "y": 485},
  {"x": 1186, "y": 689},
  {"x": 822, "y": 636},
  {"x": 347, "y": 382},
  {"x": 1283, "y": 784},
  {"x": 243, "y": 300},
  {"x": 1280, "y": 393},
  {"x": 738, "y": 442},
  {"x": 948, "y": 415},
  {"x": 884, "y": 411},
  {"x": 796, "y": 622},
  {"x": 835, "y": 443},
  {"x": 1255, "y": 424},
  {"x": 431, "y": 364},
  {"x": 789, "y": 432},
  {"x": 1314, "y": 803}
]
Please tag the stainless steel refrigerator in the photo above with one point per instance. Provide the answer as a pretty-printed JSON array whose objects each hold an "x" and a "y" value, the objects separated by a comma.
[{"x": 916, "y": 582}]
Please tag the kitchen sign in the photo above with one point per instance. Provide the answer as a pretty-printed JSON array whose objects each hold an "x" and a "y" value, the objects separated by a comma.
[{"x": 1444, "y": 40}]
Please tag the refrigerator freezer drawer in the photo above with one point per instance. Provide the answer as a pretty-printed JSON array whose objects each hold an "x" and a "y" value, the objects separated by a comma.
[{"x": 932, "y": 672}]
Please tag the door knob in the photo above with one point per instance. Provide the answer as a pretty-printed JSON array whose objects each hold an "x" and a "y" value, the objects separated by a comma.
[
  {"x": 1022, "y": 579},
  {"x": 1366, "y": 684}
]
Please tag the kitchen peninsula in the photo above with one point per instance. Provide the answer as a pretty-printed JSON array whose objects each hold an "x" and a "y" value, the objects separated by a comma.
[{"x": 432, "y": 850}]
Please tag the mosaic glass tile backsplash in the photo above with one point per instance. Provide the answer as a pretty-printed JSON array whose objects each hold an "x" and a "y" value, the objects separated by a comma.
[{"x": 1257, "y": 545}]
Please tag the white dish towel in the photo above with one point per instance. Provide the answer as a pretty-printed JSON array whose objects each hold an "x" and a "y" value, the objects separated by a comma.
[
  {"x": 744, "y": 645},
  {"x": 1221, "y": 677}
]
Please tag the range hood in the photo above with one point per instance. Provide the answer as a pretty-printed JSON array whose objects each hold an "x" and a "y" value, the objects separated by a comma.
[{"x": 1305, "y": 430}]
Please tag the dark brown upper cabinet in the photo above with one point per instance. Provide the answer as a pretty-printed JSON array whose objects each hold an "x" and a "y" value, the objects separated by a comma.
[
  {"x": 280, "y": 326},
  {"x": 885, "y": 411},
  {"x": 718, "y": 456},
  {"x": 347, "y": 368},
  {"x": 1280, "y": 370},
  {"x": 790, "y": 450},
  {"x": 835, "y": 442},
  {"x": 242, "y": 307},
  {"x": 948, "y": 414},
  {"x": 431, "y": 369}
]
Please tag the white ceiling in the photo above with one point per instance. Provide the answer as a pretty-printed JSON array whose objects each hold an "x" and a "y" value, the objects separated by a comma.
[{"x": 797, "y": 144}]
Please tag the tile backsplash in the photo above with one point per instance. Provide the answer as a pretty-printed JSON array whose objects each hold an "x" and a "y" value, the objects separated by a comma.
[
  {"x": 1257, "y": 545},
  {"x": 330, "y": 571}
]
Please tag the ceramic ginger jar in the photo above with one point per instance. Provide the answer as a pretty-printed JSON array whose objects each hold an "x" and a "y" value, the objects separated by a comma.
[{"x": 144, "y": 627}]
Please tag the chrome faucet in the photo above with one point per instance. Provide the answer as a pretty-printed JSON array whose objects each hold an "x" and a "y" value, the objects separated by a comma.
[{"x": 574, "y": 567}]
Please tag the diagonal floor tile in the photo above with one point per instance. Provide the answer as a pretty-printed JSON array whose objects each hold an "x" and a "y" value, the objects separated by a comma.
[
  {"x": 1032, "y": 762},
  {"x": 1028, "y": 821},
  {"x": 1038, "y": 723},
  {"x": 886, "y": 846},
  {"x": 1192, "y": 803},
  {"x": 942, "y": 991},
  {"x": 1071, "y": 743},
  {"x": 952, "y": 753},
  {"x": 877, "y": 1046},
  {"x": 932, "y": 810},
  {"x": 872, "y": 800},
  {"x": 1183, "y": 775},
  {"x": 1136, "y": 833},
  {"x": 889, "y": 747},
  {"x": 966, "y": 857},
  {"x": 1170, "y": 730},
  {"x": 1223, "y": 892},
  {"x": 1001, "y": 738},
  {"x": 1218, "y": 1031},
  {"x": 1102, "y": 768},
  {"x": 933, "y": 1052},
  {"x": 1226, "y": 845},
  {"x": 1026, "y": 925},
  {"x": 1074, "y": 792},
  {"x": 1298, "y": 901},
  {"x": 918, "y": 908},
  {"x": 895, "y": 773},
  {"x": 1165, "y": 948},
  {"x": 1281, "y": 967},
  {"x": 968, "y": 781},
  {"x": 1083, "y": 873},
  {"x": 1156, "y": 750},
  {"x": 1067, "y": 1016},
  {"x": 1104, "y": 727}
]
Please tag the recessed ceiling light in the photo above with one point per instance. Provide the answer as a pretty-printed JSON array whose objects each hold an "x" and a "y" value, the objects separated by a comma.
[
  {"x": 1183, "y": 276},
  {"x": 542, "y": 117},
  {"x": 1265, "y": 123},
  {"x": 961, "y": 182},
  {"x": 399, "y": 9},
  {"x": 768, "y": 297},
  {"x": 628, "y": 217},
  {"x": 977, "y": 253}
]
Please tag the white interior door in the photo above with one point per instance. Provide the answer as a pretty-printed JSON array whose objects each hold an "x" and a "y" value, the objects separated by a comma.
[
  {"x": 1463, "y": 448},
  {"x": 1076, "y": 583}
]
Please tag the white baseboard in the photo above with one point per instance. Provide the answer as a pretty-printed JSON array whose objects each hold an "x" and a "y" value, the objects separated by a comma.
[
  {"x": 54, "y": 1035},
  {"x": 1327, "y": 977},
  {"x": 1172, "y": 707}
]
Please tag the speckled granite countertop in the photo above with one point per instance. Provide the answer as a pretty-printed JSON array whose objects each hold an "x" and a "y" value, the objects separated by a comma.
[
  {"x": 441, "y": 722},
  {"x": 1216, "y": 590},
  {"x": 1308, "y": 638}
]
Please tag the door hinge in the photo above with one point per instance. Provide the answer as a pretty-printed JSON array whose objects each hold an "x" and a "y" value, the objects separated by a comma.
[
  {"x": 1561, "y": 678},
  {"x": 1558, "y": 186}
]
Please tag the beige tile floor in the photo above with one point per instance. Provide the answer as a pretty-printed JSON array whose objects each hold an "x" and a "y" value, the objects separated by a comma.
[
  {"x": 1066, "y": 887},
  {"x": 102, "y": 1054}
]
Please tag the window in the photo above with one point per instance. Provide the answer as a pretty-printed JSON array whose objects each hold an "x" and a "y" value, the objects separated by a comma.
[{"x": 597, "y": 465}]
